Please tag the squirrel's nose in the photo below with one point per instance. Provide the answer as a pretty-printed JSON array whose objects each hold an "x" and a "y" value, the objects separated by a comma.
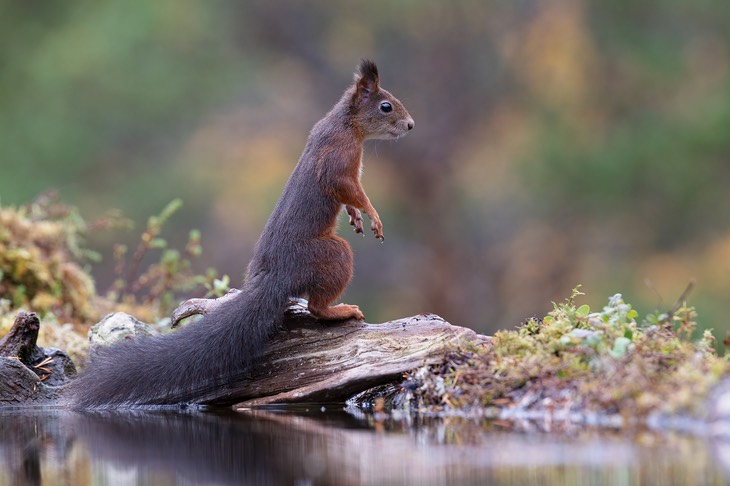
[{"x": 411, "y": 124}]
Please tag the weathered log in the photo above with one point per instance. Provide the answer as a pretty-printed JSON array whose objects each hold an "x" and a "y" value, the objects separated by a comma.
[
  {"x": 311, "y": 360},
  {"x": 20, "y": 341},
  {"x": 307, "y": 360},
  {"x": 29, "y": 372}
]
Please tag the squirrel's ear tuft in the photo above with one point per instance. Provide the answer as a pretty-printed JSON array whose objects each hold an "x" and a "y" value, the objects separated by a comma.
[
  {"x": 367, "y": 80},
  {"x": 367, "y": 70}
]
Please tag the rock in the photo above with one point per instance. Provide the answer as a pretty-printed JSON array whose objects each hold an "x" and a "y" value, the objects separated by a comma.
[{"x": 116, "y": 327}]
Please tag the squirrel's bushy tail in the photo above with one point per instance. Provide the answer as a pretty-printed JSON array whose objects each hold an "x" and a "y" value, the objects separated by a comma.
[{"x": 180, "y": 366}]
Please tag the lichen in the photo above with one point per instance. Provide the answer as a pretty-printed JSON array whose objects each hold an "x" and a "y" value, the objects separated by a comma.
[{"x": 575, "y": 359}]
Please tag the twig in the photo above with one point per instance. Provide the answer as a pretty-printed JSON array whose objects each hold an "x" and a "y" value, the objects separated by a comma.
[
  {"x": 682, "y": 299},
  {"x": 46, "y": 361}
]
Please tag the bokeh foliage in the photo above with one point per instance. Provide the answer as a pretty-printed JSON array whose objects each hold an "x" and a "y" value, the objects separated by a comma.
[{"x": 556, "y": 142}]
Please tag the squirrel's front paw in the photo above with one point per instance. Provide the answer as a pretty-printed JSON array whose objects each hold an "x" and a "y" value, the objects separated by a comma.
[
  {"x": 355, "y": 219},
  {"x": 377, "y": 228}
]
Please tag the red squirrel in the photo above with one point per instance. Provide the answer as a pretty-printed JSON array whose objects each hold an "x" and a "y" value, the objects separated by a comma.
[{"x": 297, "y": 255}]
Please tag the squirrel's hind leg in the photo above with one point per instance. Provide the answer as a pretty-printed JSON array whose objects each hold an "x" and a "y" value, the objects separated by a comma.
[{"x": 330, "y": 277}]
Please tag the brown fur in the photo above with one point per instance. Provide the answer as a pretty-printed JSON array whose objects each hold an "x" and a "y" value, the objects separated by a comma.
[{"x": 332, "y": 162}]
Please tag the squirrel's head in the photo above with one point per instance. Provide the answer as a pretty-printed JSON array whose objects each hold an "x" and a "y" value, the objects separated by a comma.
[{"x": 376, "y": 112}]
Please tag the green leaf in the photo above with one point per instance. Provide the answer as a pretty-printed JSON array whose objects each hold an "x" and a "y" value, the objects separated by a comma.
[
  {"x": 221, "y": 286},
  {"x": 158, "y": 243},
  {"x": 170, "y": 256},
  {"x": 91, "y": 255},
  {"x": 583, "y": 310},
  {"x": 153, "y": 222},
  {"x": 170, "y": 209}
]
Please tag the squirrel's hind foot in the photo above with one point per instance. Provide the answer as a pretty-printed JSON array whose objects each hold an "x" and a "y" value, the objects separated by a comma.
[{"x": 339, "y": 312}]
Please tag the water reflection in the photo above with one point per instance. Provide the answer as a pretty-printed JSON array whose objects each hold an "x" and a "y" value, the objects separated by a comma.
[{"x": 310, "y": 446}]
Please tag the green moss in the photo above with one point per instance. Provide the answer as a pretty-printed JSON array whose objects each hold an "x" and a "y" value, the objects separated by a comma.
[{"x": 574, "y": 358}]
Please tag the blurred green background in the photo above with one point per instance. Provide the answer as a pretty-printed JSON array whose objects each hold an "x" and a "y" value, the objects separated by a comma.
[{"x": 556, "y": 142}]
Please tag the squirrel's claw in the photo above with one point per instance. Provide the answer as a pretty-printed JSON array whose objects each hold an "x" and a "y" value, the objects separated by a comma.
[
  {"x": 355, "y": 219},
  {"x": 377, "y": 228}
]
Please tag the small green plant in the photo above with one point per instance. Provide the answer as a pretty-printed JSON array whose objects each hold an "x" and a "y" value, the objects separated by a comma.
[
  {"x": 158, "y": 286},
  {"x": 573, "y": 357}
]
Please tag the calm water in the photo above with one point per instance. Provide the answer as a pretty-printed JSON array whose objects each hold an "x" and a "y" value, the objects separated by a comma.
[{"x": 306, "y": 445}]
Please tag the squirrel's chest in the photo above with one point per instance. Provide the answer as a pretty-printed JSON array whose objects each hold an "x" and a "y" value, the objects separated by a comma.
[{"x": 335, "y": 165}]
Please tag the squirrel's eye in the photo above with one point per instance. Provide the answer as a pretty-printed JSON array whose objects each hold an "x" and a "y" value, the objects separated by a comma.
[{"x": 386, "y": 107}]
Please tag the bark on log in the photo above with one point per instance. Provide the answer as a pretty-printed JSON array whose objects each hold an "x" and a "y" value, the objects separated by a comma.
[
  {"x": 20, "y": 341},
  {"x": 18, "y": 384}
]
